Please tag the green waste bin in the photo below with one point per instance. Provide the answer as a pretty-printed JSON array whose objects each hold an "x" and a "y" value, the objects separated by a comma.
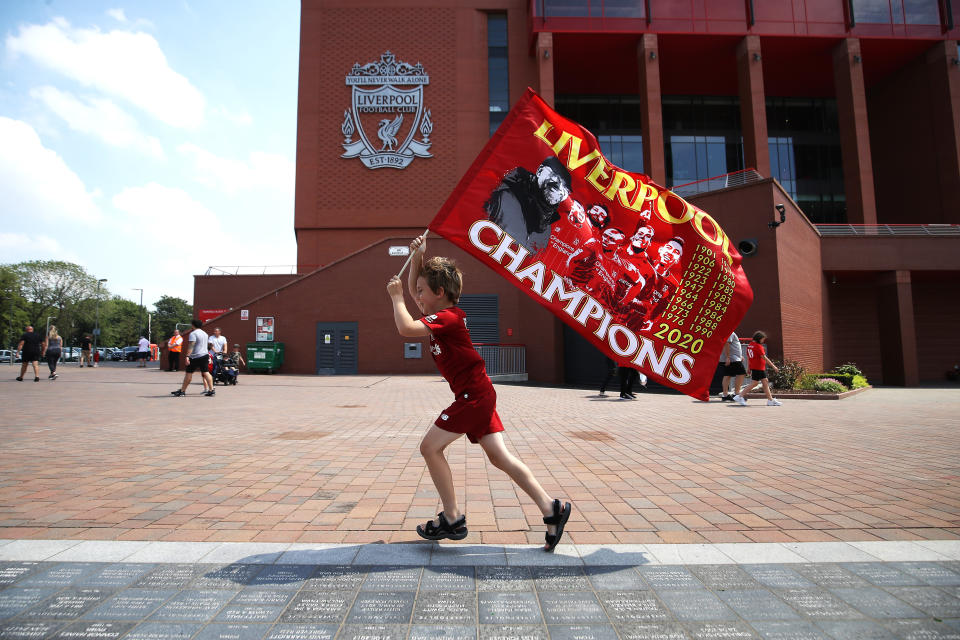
[{"x": 264, "y": 356}]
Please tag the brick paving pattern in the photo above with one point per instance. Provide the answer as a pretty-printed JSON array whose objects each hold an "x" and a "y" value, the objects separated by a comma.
[
  {"x": 142, "y": 601},
  {"x": 108, "y": 454}
]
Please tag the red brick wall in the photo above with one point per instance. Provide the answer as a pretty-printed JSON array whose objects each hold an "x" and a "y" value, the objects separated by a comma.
[
  {"x": 936, "y": 306},
  {"x": 228, "y": 292},
  {"x": 854, "y": 324}
]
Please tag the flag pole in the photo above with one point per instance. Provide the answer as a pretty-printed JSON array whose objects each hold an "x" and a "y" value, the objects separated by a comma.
[{"x": 410, "y": 257}]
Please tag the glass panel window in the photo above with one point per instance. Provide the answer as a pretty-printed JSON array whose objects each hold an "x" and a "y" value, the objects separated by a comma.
[
  {"x": 498, "y": 80},
  {"x": 614, "y": 120},
  {"x": 703, "y": 135},
  {"x": 922, "y": 11}
]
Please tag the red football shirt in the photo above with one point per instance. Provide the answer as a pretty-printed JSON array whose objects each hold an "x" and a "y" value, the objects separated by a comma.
[
  {"x": 755, "y": 353},
  {"x": 452, "y": 350}
]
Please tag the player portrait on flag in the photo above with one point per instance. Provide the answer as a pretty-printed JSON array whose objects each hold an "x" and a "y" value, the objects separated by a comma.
[{"x": 651, "y": 280}]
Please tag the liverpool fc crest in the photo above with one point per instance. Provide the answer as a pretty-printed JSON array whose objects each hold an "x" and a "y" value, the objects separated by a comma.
[{"x": 387, "y": 98}]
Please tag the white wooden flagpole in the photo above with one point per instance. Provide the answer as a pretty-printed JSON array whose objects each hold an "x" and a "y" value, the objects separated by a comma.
[{"x": 410, "y": 257}]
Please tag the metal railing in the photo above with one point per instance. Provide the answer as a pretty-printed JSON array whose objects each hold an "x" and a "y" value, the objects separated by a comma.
[
  {"x": 503, "y": 359},
  {"x": 874, "y": 230},
  {"x": 252, "y": 270},
  {"x": 732, "y": 179}
]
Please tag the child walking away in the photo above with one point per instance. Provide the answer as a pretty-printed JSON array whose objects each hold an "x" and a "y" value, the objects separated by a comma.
[
  {"x": 435, "y": 285},
  {"x": 757, "y": 354}
]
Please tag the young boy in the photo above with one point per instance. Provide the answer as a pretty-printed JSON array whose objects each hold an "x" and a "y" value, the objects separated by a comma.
[
  {"x": 757, "y": 355},
  {"x": 435, "y": 286}
]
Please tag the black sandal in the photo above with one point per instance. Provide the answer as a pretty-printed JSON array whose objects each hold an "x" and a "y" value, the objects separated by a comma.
[
  {"x": 559, "y": 518},
  {"x": 454, "y": 531}
]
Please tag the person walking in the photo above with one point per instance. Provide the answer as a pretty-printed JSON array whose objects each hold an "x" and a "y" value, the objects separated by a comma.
[
  {"x": 143, "y": 351},
  {"x": 731, "y": 359},
  {"x": 196, "y": 360},
  {"x": 757, "y": 354},
  {"x": 174, "y": 346},
  {"x": 85, "y": 343},
  {"x": 435, "y": 286},
  {"x": 52, "y": 350},
  {"x": 30, "y": 347},
  {"x": 218, "y": 343},
  {"x": 611, "y": 371}
]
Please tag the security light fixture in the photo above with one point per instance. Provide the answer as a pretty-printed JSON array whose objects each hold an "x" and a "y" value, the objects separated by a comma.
[{"x": 783, "y": 216}]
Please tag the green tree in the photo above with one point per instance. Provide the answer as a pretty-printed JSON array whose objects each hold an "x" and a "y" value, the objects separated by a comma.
[
  {"x": 118, "y": 323},
  {"x": 55, "y": 289},
  {"x": 169, "y": 312},
  {"x": 13, "y": 307}
]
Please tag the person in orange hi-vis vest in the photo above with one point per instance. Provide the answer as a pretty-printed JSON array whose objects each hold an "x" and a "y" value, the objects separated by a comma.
[{"x": 175, "y": 345}]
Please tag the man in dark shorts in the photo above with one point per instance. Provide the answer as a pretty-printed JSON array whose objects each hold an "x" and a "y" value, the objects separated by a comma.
[
  {"x": 731, "y": 361},
  {"x": 197, "y": 360},
  {"x": 85, "y": 343},
  {"x": 30, "y": 348}
]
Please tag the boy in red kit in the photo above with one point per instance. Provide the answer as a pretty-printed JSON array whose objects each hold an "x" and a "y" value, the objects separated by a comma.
[
  {"x": 435, "y": 285},
  {"x": 757, "y": 354}
]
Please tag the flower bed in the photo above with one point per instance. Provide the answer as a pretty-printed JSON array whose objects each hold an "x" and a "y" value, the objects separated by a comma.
[{"x": 807, "y": 394}]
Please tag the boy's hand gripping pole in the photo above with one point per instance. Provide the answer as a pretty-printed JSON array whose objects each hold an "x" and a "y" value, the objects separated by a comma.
[{"x": 410, "y": 257}]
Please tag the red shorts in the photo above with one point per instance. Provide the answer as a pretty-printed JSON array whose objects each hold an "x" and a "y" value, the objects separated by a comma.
[{"x": 474, "y": 415}]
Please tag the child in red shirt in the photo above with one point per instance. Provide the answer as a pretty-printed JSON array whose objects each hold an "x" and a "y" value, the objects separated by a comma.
[
  {"x": 758, "y": 360},
  {"x": 435, "y": 285}
]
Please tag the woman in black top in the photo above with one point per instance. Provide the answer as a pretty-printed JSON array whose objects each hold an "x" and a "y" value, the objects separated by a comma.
[
  {"x": 52, "y": 351},
  {"x": 30, "y": 347}
]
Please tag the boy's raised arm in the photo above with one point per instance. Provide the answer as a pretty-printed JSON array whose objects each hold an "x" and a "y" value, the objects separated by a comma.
[
  {"x": 406, "y": 325},
  {"x": 418, "y": 247}
]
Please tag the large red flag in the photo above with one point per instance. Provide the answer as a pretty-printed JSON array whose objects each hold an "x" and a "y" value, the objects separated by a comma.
[{"x": 651, "y": 280}]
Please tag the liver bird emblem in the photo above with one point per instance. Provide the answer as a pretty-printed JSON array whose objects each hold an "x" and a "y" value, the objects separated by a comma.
[{"x": 388, "y": 132}]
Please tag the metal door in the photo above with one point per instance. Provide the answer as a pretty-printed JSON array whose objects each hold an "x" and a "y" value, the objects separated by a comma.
[{"x": 336, "y": 348}]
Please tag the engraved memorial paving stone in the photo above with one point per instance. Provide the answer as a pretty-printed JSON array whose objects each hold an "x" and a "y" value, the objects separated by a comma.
[
  {"x": 922, "y": 630},
  {"x": 777, "y": 576},
  {"x": 28, "y": 630},
  {"x": 67, "y": 605},
  {"x": 442, "y": 632},
  {"x": 445, "y": 607},
  {"x": 788, "y": 630},
  {"x": 193, "y": 605},
  {"x": 830, "y": 575},
  {"x": 720, "y": 631},
  {"x": 931, "y": 573},
  {"x": 651, "y": 631},
  {"x": 613, "y": 578},
  {"x": 693, "y": 605},
  {"x": 668, "y": 577},
  {"x": 560, "y": 579},
  {"x": 854, "y": 630},
  {"x": 632, "y": 606},
  {"x": 217, "y": 631},
  {"x": 392, "y": 579},
  {"x": 817, "y": 604},
  {"x": 721, "y": 577},
  {"x": 164, "y": 631},
  {"x": 571, "y": 608},
  {"x": 504, "y": 579},
  {"x": 170, "y": 576},
  {"x": 249, "y": 613},
  {"x": 93, "y": 631},
  {"x": 60, "y": 575},
  {"x": 448, "y": 579},
  {"x": 16, "y": 600},
  {"x": 10, "y": 572},
  {"x": 513, "y": 632},
  {"x": 382, "y": 607},
  {"x": 132, "y": 604},
  {"x": 877, "y": 603},
  {"x": 318, "y": 606},
  {"x": 115, "y": 576},
  {"x": 508, "y": 607},
  {"x": 582, "y": 632},
  {"x": 930, "y": 600},
  {"x": 336, "y": 578},
  {"x": 757, "y": 604},
  {"x": 283, "y": 576},
  {"x": 373, "y": 632},
  {"x": 262, "y": 597},
  {"x": 882, "y": 574},
  {"x": 302, "y": 632},
  {"x": 231, "y": 576}
]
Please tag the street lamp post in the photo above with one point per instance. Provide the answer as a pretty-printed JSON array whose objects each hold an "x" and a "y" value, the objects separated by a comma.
[
  {"x": 140, "y": 315},
  {"x": 96, "y": 330}
]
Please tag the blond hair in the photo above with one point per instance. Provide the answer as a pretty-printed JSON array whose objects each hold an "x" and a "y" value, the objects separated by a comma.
[
  {"x": 443, "y": 272},
  {"x": 53, "y": 332}
]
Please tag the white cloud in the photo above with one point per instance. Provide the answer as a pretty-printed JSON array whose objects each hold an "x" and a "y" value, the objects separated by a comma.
[
  {"x": 99, "y": 117},
  {"x": 35, "y": 181},
  {"x": 153, "y": 208},
  {"x": 128, "y": 65},
  {"x": 19, "y": 247},
  {"x": 117, "y": 14},
  {"x": 262, "y": 171},
  {"x": 243, "y": 119}
]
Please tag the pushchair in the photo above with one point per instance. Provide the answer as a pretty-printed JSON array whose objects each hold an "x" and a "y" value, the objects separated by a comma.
[{"x": 225, "y": 369}]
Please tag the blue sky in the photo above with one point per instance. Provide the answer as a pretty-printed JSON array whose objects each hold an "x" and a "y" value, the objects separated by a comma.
[{"x": 147, "y": 141}]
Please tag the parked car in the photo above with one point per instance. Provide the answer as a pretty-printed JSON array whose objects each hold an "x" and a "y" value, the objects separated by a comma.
[
  {"x": 114, "y": 354},
  {"x": 130, "y": 353},
  {"x": 7, "y": 356}
]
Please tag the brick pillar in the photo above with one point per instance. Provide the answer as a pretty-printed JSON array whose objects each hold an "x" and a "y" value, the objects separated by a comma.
[
  {"x": 545, "y": 66},
  {"x": 854, "y": 132},
  {"x": 898, "y": 336},
  {"x": 945, "y": 112},
  {"x": 753, "y": 105},
  {"x": 654, "y": 164}
]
